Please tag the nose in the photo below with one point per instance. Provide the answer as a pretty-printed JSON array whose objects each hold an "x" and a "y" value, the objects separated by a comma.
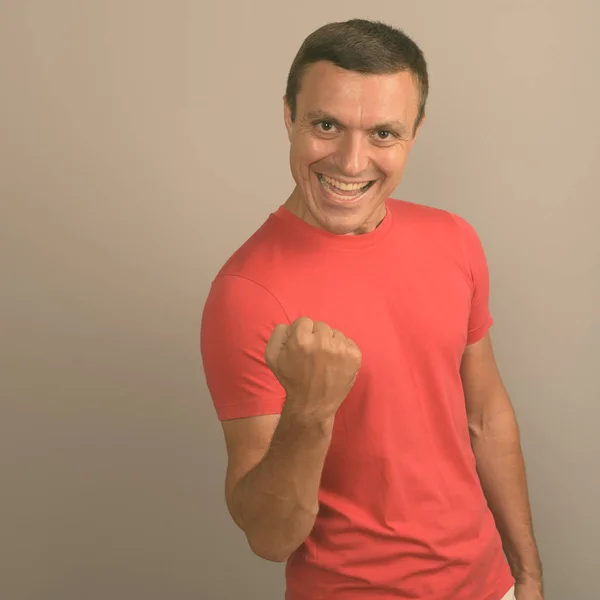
[{"x": 352, "y": 156}]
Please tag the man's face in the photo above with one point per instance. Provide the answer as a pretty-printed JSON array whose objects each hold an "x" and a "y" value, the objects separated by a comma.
[{"x": 349, "y": 145}]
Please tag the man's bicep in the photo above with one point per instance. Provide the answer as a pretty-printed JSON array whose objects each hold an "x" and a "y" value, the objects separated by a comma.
[
  {"x": 238, "y": 319},
  {"x": 480, "y": 319}
]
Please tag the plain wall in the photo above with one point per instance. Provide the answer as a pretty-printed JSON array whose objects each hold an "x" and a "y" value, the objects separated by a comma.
[{"x": 141, "y": 143}]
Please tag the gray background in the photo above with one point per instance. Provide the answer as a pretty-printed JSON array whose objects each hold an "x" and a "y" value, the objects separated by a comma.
[{"x": 140, "y": 144}]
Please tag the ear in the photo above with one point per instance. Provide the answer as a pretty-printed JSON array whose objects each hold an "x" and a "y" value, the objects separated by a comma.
[{"x": 287, "y": 118}]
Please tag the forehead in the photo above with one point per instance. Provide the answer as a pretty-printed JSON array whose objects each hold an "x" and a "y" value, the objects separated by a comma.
[{"x": 357, "y": 98}]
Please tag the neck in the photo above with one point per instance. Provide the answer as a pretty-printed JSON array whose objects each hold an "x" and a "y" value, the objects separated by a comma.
[{"x": 297, "y": 206}]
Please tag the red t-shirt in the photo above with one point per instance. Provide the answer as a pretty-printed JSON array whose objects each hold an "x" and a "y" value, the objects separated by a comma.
[{"x": 402, "y": 513}]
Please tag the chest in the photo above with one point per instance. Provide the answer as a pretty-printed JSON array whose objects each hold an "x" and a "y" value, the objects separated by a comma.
[{"x": 410, "y": 304}]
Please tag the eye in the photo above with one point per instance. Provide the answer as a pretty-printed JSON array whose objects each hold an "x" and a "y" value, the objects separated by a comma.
[
  {"x": 384, "y": 135},
  {"x": 325, "y": 126}
]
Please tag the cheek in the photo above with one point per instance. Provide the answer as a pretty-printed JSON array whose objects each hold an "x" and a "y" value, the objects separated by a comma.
[
  {"x": 300, "y": 161},
  {"x": 312, "y": 150},
  {"x": 393, "y": 165}
]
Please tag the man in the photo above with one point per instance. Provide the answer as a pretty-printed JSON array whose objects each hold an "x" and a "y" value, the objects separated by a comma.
[{"x": 371, "y": 442}]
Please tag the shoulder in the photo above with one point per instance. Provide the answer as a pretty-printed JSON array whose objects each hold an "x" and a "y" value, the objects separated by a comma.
[
  {"x": 242, "y": 296},
  {"x": 259, "y": 258},
  {"x": 430, "y": 220},
  {"x": 238, "y": 318}
]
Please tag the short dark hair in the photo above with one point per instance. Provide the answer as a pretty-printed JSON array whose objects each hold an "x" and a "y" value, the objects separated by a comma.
[{"x": 362, "y": 46}]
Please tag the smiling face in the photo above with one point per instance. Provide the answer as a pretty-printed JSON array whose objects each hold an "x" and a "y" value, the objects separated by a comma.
[{"x": 350, "y": 142}]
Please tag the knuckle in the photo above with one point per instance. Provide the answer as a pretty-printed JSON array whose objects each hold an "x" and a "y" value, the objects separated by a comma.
[{"x": 301, "y": 320}]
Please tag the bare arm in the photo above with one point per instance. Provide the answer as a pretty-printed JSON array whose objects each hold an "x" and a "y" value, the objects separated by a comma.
[
  {"x": 275, "y": 466},
  {"x": 273, "y": 477},
  {"x": 496, "y": 445}
]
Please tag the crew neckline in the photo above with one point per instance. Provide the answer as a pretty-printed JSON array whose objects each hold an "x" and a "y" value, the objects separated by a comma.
[{"x": 316, "y": 235}]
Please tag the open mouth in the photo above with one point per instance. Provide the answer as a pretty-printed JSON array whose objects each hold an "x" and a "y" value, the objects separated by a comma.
[{"x": 344, "y": 191}]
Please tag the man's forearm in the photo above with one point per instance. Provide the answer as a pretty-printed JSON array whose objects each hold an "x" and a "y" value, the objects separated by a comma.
[
  {"x": 501, "y": 468},
  {"x": 276, "y": 503}
]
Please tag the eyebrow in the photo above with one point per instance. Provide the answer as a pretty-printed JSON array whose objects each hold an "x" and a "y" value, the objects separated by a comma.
[{"x": 397, "y": 126}]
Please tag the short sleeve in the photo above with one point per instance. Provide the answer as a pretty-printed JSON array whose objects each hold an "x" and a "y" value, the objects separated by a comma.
[
  {"x": 480, "y": 318},
  {"x": 237, "y": 321}
]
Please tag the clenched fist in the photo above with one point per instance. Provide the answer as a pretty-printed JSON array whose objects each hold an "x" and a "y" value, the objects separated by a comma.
[{"x": 316, "y": 365}]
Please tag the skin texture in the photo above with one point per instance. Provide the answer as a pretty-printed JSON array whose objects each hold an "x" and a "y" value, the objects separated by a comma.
[
  {"x": 276, "y": 501},
  {"x": 495, "y": 440},
  {"x": 357, "y": 128}
]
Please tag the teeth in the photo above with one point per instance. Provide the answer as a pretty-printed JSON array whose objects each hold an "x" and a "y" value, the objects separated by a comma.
[{"x": 347, "y": 187}]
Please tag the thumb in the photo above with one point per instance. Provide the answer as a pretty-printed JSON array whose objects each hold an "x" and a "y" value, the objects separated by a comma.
[{"x": 276, "y": 342}]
